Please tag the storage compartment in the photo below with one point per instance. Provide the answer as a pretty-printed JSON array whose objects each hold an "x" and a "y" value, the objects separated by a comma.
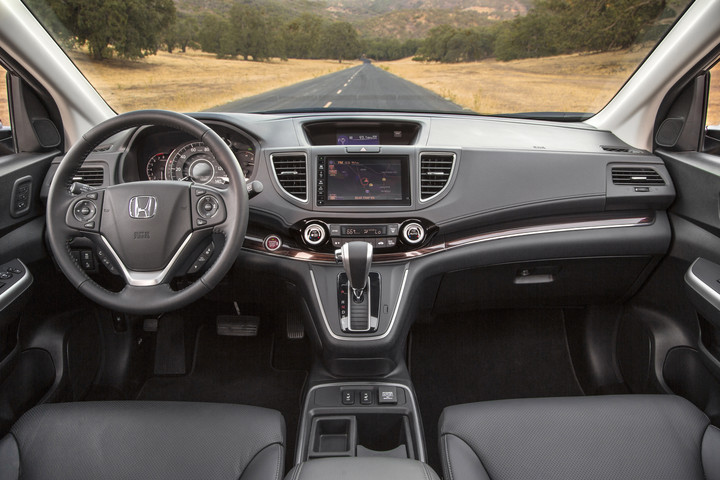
[
  {"x": 362, "y": 435},
  {"x": 333, "y": 437},
  {"x": 568, "y": 282}
]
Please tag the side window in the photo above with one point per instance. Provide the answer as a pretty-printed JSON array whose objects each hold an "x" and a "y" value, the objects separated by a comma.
[
  {"x": 713, "y": 113},
  {"x": 712, "y": 130},
  {"x": 6, "y": 143}
]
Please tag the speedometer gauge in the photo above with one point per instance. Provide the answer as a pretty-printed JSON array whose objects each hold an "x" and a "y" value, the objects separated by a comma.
[
  {"x": 155, "y": 168},
  {"x": 195, "y": 162}
]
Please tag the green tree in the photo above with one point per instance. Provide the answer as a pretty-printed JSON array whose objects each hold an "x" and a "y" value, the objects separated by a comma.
[
  {"x": 181, "y": 34},
  {"x": 340, "y": 40},
  {"x": 302, "y": 37},
  {"x": 126, "y": 28}
]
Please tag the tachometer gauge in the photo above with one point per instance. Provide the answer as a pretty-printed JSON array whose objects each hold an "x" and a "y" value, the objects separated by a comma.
[
  {"x": 155, "y": 168},
  {"x": 195, "y": 162}
]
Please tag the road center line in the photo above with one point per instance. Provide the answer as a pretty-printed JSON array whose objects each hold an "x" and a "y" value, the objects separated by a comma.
[
  {"x": 339, "y": 91},
  {"x": 345, "y": 85},
  {"x": 327, "y": 104}
]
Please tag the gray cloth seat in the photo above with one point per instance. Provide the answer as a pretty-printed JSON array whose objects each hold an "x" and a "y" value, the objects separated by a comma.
[
  {"x": 148, "y": 440},
  {"x": 634, "y": 437}
]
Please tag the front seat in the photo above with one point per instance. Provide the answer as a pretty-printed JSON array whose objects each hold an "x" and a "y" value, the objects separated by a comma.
[
  {"x": 148, "y": 440},
  {"x": 608, "y": 437}
]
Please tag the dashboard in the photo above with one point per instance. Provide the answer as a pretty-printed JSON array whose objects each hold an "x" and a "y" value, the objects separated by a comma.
[{"x": 463, "y": 211}]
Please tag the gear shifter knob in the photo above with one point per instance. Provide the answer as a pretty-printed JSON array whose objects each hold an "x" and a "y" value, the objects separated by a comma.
[{"x": 356, "y": 258}]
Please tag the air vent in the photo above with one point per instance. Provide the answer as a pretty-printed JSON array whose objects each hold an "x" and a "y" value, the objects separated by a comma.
[
  {"x": 93, "y": 176},
  {"x": 435, "y": 172},
  {"x": 636, "y": 176},
  {"x": 291, "y": 174},
  {"x": 619, "y": 149}
]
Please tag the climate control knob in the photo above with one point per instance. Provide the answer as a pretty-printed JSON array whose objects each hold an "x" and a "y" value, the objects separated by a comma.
[
  {"x": 314, "y": 234},
  {"x": 413, "y": 233}
]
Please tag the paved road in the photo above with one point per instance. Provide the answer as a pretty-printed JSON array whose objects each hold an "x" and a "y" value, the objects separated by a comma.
[{"x": 364, "y": 86}]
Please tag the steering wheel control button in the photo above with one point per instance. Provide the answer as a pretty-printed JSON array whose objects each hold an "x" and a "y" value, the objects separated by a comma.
[
  {"x": 314, "y": 234},
  {"x": 348, "y": 397},
  {"x": 200, "y": 222},
  {"x": 84, "y": 211},
  {"x": 272, "y": 243},
  {"x": 208, "y": 206},
  {"x": 202, "y": 259},
  {"x": 413, "y": 233},
  {"x": 387, "y": 395},
  {"x": 92, "y": 196}
]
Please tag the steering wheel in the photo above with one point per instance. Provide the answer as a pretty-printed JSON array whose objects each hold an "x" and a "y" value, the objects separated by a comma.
[{"x": 149, "y": 230}]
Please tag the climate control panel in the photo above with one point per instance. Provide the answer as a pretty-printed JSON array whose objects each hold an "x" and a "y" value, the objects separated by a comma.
[{"x": 408, "y": 233}]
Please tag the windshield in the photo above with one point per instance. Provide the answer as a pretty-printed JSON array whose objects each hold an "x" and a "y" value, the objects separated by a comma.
[{"x": 559, "y": 59}]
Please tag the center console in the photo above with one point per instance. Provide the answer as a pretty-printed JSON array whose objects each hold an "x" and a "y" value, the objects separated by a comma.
[{"x": 360, "y": 419}]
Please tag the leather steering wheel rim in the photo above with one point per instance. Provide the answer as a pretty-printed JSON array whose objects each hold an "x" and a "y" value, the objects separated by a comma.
[{"x": 157, "y": 298}]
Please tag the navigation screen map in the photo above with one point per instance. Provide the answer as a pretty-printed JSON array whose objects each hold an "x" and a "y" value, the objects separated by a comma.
[
  {"x": 358, "y": 139},
  {"x": 377, "y": 179}
]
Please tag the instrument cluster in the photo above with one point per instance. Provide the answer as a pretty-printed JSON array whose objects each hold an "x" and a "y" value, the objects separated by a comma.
[{"x": 171, "y": 155}]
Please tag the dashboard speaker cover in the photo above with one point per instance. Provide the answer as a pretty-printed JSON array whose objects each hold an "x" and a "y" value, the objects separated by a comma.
[
  {"x": 669, "y": 132},
  {"x": 46, "y": 132}
]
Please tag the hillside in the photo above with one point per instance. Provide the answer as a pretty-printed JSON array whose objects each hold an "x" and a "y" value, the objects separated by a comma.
[{"x": 381, "y": 18}]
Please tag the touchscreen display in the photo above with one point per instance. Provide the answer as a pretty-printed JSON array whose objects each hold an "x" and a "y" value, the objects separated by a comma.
[
  {"x": 358, "y": 138},
  {"x": 371, "y": 180}
]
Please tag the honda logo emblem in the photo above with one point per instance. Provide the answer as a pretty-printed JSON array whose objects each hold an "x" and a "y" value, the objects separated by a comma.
[{"x": 144, "y": 206}]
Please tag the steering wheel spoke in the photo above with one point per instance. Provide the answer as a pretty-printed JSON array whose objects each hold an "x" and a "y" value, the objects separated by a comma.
[{"x": 109, "y": 257}]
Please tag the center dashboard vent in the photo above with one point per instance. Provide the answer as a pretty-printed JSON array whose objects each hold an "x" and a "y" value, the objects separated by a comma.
[
  {"x": 291, "y": 173},
  {"x": 636, "y": 176},
  {"x": 435, "y": 172},
  {"x": 93, "y": 176}
]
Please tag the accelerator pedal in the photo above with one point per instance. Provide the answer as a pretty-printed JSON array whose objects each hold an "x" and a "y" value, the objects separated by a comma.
[
  {"x": 237, "y": 325},
  {"x": 294, "y": 325}
]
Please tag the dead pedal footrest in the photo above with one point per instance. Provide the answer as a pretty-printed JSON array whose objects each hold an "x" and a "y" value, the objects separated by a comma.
[{"x": 237, "y": 325}]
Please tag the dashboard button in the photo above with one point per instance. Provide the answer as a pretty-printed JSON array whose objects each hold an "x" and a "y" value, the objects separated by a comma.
[
  {"x": 391, "y": 242},
  {"x": 272, "y": 243}
]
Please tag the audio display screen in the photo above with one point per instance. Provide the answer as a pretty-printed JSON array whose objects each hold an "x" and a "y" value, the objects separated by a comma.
[{"x": 367, "y": 180}]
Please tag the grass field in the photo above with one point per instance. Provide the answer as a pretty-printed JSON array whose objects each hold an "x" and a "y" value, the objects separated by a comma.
[
  {"x": 569, "y": 83},
  {"x": 195, "y": 81}
]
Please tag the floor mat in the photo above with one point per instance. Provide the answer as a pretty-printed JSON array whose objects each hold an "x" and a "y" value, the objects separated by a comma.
[
  {"x": 235, "y": 370},
  {"x": 488, "y": 356}
]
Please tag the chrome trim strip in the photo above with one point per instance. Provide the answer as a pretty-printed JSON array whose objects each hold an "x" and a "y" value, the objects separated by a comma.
[
  {"x": 701, "y": 288},
  {"x": 578, "y": 226},
  {"x": 145, "y": 279},
  {"x": 355, "y": 338},
  {"x": 303, "y": 428},
  {"x": 16, "y": 289}
]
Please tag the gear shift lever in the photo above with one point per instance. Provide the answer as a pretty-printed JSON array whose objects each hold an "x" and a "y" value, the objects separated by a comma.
[{"x": 356, "y": 258}]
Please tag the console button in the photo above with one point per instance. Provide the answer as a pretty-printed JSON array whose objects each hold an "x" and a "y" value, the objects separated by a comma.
[
  {"x": 413, "y": 233},
  {"x": 5, "y": 276},
  {"x": 14, "y": 270},
  {"x": 366, "y": 397},
  {"x": 381, "y": 242},
  {"x": 387, "y": 395},
  {"x": 391, "y": 242},
  {"x": 348, "y": 397},
  {"x": 272, "y": 243}
]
